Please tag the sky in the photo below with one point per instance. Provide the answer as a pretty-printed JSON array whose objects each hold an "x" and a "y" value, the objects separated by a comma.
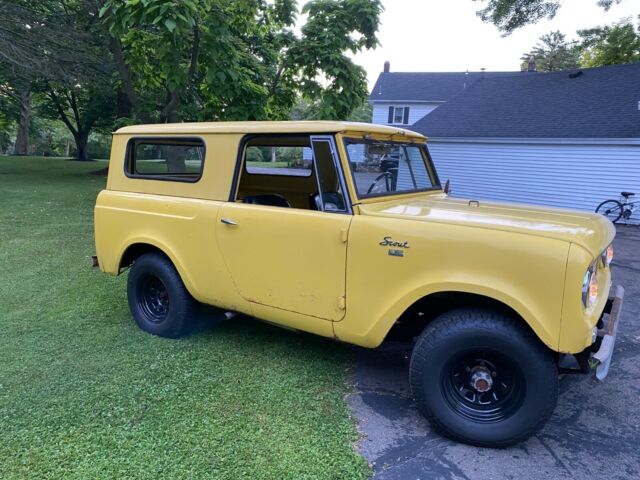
[{"x": 447, "y": 35}]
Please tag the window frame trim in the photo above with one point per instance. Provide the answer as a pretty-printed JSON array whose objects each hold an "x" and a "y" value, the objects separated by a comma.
[
  {"x": 335, "y": 153},
  {"x": 240, "y": 156},
  {"x": 130, "y": 150},
  {"x": 235, "y": 181}
]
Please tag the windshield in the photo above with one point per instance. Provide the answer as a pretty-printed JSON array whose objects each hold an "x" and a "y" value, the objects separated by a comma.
[{"x": 387, "y": 168}]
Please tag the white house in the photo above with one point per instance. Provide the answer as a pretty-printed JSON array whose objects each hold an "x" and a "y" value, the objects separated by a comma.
[
  {"x": 567, "y": 139},
  {"x": 403, "y": 98}
]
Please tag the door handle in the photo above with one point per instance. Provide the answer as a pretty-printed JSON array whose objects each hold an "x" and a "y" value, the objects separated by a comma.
[{"x": 227, "y": 221}]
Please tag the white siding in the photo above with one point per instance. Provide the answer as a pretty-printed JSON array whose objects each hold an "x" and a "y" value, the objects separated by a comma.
[
  {"x": 562, "y": 175},
  {"x": 416, "y": 111}
]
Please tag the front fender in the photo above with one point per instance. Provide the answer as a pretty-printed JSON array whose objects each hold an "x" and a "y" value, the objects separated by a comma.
[{"x": 524, "y": 272}]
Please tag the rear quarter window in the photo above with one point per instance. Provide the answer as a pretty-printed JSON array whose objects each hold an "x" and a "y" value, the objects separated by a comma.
[{"x": 173, "y": 159}]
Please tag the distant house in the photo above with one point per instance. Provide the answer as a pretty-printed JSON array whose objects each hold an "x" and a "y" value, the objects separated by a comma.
[
  {"x": 403, "y": 98},
  {"x": 567, "y": 139}
]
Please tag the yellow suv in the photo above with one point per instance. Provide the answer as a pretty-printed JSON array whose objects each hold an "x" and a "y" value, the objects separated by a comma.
[{"x": 344, "y": 230}]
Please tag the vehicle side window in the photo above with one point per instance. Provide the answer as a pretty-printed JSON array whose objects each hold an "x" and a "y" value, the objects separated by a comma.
[
  {"x": 166, "y": 159},
  {"x": 386, "y": 168},
  {"x": 279, "y": 160},
  {"x": 291, "y": 170}
]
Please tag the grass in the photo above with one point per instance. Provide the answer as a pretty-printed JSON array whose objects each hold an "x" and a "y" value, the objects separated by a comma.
[
  {"x": 85, "y": 394},
  {"x": 268, "y": 164}
]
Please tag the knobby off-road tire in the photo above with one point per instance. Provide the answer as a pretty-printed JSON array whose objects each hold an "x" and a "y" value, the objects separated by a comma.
[
  {"x": 612, "y": 209},
  {"x": 482, "y": 378},
  {"x": 159, "y": 301}
]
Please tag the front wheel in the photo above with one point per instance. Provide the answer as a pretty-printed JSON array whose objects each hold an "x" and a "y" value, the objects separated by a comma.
[
  {"x": 482, "y": 378},
  {"x": 612, "y": 209}
]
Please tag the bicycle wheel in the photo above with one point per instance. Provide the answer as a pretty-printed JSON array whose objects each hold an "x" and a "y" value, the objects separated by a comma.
[{"x": 612, "y": 209}]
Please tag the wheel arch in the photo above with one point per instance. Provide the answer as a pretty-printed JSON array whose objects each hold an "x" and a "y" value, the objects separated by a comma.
[
  {"x": 419, "y": 309},
  {"x": 138, "y": 247}
]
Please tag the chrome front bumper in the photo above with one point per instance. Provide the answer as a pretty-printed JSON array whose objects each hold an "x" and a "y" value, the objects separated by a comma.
[{"x": 601, "y": 358}]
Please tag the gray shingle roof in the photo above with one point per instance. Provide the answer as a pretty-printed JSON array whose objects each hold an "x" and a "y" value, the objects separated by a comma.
[
  {"x": 589, "y": 103},
  {"x": 427, "y": 86}
]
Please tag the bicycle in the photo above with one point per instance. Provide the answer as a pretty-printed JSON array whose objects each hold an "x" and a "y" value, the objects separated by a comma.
[{"x": 614, "y": 210}]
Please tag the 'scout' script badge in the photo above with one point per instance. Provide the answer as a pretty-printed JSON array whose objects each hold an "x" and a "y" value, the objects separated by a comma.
[{"x": 398, "y": 247}]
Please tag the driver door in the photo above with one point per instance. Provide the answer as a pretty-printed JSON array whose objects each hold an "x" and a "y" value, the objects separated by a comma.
[{"x": 293, "y": 259}]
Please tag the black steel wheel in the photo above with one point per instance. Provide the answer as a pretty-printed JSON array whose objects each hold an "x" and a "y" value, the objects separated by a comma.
[
  {"x": 483, "y": 385},
  {"x": 159, "y": 301},
  {"x": 612, "y": 209},
  {"x": 482, "y": 377},
  {"x": 153, "y": 298}
]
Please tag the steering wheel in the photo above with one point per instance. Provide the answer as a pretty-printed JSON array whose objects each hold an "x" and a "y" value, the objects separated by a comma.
[{"x": 388, "y": 181}]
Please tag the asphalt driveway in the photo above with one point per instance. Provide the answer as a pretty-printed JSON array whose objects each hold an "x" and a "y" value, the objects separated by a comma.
[{"x": 594, "y": 432}]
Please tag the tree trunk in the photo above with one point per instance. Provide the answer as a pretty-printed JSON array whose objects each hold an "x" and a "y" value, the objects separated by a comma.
[
  {"x": 82, "y": 139},
  {"x": 22, "y": 138},
  {"x": 175, "y": 159}
]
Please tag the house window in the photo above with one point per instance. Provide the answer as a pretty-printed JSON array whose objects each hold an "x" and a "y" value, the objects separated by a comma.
[{"x": 398, "y": 115}]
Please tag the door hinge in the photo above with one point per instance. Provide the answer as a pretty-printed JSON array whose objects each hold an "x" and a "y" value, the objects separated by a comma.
[
  {"x": 344, "y": 235},
  {"x": 342, "y": 303}
]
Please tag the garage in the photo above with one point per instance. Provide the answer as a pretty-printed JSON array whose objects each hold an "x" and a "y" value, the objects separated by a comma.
[{"x": 564, "y": 139}]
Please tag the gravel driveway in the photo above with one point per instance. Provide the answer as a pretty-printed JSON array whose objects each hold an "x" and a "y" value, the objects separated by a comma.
[{"x": 594, "y": 432}]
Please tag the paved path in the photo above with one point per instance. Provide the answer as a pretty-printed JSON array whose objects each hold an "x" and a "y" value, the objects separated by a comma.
[{"x": 594, "y": 432}]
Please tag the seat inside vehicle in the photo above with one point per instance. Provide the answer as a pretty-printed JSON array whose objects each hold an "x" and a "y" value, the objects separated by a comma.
[
  {"x": 333, "y": 202},
  {"x": 269, "y": 199}
]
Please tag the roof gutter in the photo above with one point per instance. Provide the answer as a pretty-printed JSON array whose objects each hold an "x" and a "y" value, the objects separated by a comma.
[{"x": 538, "y": 141}]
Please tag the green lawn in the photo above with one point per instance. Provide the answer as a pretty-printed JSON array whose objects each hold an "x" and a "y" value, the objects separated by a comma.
[{"x": 84, "y": 394}]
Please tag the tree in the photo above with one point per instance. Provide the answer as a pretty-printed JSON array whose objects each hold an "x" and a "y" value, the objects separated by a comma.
[
  {"x": 6, "y": 124},
  {"x": 17, "y": 97},
  {"x": 509, "y": 15},
  {"x": 56, "y": 49},
  {"x": 215, "y": 59},
  {"x": 552, "y": 53},
  {"x": 610, "y": 45},
  {"x": 81, "y": 110}
]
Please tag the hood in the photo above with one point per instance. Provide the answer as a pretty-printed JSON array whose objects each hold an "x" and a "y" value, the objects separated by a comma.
[{"x": 589, "y": 230}]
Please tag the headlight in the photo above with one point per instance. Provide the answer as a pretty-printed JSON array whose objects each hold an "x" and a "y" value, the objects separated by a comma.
[
  {"x": 590, "y": 288},
  {"x": 607, "y": 256}
]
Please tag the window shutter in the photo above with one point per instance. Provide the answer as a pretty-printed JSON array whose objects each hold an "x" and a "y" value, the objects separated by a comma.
[
  {"x": 390, "y": 115},
  {"x": 406, "y": 116}
]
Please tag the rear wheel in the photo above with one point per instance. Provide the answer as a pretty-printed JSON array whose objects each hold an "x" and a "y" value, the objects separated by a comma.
[
  {"x": 612, "y": 209},
  {"x": 159, "y": 301},
  {"x": 482, "y": 378}
]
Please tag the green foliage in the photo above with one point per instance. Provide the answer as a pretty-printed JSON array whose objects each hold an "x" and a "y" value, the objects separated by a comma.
[
  {"x": 599, "y": 46},
  {"x": 85, "y": 394},
  {"x": 610, "y": 45},
  {"x": 215, "y": 59},
  {"x": 104, "y": 64},
  {"x": 6, "y": 130},
  {"x": 509, "y": 15},
  {"x": 49, "y": 138},
  {"x": 552, "y": 53},
  {"x": 330, "y": 77},
  {"x": 363, "y": 113},
  {"x": 55, "y": 51},
  {"x": 305, "y": 109}
]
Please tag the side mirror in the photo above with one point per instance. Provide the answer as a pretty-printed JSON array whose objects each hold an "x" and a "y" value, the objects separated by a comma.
[{"x": 447, "y": 187}]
